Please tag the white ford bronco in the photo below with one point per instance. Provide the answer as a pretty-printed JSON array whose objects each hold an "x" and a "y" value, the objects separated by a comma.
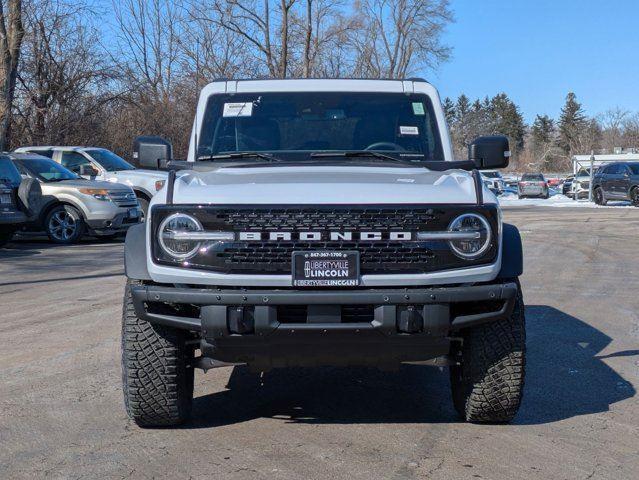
[{"x": 324, "y": 223}]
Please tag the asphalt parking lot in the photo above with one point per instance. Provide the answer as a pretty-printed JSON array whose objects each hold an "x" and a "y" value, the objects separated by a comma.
[{"x": 61, "y": 412}]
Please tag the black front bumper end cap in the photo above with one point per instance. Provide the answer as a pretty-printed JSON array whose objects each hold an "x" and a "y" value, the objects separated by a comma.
[{"x": 214, "y": 303}]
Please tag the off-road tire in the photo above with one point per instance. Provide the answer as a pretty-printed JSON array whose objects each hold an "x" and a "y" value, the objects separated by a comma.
[
  {"x": 488, "y": 385},
  {"x": 157, "y": 375}
]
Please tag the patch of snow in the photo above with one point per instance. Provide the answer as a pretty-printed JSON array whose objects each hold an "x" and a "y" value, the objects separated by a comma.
[{"x": 557, "y": 200}]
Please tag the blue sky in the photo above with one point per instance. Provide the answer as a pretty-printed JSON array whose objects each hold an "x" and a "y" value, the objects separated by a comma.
[{"x": 538, "y": 50}]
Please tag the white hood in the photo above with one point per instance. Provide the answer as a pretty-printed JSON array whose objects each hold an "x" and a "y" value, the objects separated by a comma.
[{"x": 325, "y": 185}]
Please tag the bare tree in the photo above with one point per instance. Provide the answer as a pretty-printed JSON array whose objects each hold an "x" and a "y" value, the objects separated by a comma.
[
  {"x": 400, "y": 37},
  {"x": 258, "y": 26},
  {"x": 63, "y": 79},
  {"x": 11, "y": 34},
  {"x": 612, "y": 123},
  {"x": 148, "y": 52}
]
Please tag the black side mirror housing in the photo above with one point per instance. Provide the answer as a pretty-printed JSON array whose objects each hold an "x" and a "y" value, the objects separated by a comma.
[
  {"x": 490, "y": 152},
  {"x": 152, "y": 153}
]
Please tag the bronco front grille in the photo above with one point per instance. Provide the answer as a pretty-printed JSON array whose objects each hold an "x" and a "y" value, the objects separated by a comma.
[
  {"x": 375, "y": 257},
  {"x": 274, "y": 256}
]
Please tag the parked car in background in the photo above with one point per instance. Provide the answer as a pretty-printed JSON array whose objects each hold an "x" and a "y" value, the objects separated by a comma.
[
  {"x": 554, "y": 182},
  {"x": 102, "y": 164},
  {"x": 580, "y": 187},
  {"x": 616, "y": 181},
  {"x": 511, "y": 180},
  {"x": 73, "y": 206},
  {"x": 19, "y": 199},
  {"x": 566, "y": 187},
  {"x": 533, "y": 185},
  {"x": 493, "y": 180}
]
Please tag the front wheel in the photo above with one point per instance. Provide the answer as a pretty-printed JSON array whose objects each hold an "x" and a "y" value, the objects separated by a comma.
[
  {"x": 634, "y": 196},
  {"x": 157, "y": 375},
  {"x": 64, "y": 225},
  {"x": 488, "y": 384},
  {"x": 599, "y": 197}
]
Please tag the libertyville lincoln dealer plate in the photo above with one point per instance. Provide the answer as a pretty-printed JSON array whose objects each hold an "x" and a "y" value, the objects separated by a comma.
[{"x": 325, "y": 269}]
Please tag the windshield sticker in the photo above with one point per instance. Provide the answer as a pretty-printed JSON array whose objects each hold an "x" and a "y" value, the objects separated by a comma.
[
  {"x": 408, "y": 130},
  {"x": 418, "y": 108},
  {"x": 239, "y": 109}
]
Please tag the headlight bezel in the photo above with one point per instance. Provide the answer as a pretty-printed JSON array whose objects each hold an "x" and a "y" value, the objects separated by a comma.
[
  {"x": 180, "y": 256},
  {"x": 485, "y": 246}
]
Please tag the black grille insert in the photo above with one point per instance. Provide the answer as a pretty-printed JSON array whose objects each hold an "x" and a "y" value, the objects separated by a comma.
[{"x": 376, "y": 257}]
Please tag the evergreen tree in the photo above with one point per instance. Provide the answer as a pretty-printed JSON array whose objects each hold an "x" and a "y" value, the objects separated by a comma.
[
  {"x": 462, "y": 107},
  {"x": 572, "y": 123},
  {"x": 543, "y": 130},
  {"x": 508, "y": 120},
  {"x": 449, "y": 111}
]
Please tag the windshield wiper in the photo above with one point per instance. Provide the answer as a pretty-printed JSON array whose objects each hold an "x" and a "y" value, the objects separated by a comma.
[
  {"x": 361, "y": 153},
  {"x": 234, "y": 155}
]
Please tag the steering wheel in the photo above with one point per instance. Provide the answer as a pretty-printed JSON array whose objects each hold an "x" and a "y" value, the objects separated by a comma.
[{"x": 380, "y": 145}]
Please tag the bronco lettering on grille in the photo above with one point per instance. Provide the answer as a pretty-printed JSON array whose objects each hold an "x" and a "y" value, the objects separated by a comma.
[{"x": 322, "y": 236}]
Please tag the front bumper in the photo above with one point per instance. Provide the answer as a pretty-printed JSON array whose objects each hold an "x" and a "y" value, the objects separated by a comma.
[
  {"x": 324, "y": 338},
  {"x": 116, "y": 224}
]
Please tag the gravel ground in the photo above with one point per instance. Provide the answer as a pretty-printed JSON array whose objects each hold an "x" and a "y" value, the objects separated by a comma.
[{"x": 61, "y": 411}]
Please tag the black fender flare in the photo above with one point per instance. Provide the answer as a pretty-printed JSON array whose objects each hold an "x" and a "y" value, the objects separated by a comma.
[
  {"x": 135, "y": 253},
  {"x": 512, "y": 253}
]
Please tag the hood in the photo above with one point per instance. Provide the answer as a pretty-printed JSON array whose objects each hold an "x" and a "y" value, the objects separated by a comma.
[
  {"x": 79, "y": 183},
  {"x": 140, "y": 173},
  {"x": 325, "y": 185}
]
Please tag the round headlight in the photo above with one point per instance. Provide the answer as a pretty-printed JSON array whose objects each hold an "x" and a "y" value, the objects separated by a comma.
[
  {"x": 477, "y": 242},
  {"x": 171, "y": 236}
]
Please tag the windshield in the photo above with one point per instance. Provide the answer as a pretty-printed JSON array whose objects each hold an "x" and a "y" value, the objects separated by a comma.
[
  {"x": 290, "y": 122},
  {"x": 585, "y": 172},
  {"x": 8, "y": 172},
  {"x": 46, "y": 170},
  {"x": 536, "y": 177},
  {"x": 109, "y": 160}
]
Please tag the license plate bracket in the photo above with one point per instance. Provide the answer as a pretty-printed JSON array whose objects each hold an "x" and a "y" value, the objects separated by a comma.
[{"x": 325, "y": 269}]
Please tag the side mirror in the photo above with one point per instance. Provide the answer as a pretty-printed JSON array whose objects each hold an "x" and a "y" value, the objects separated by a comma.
[
  {"x": 88, "y": 171},
  {"x": 489, "y": 152},
  {"x": 152, "y": 152}
]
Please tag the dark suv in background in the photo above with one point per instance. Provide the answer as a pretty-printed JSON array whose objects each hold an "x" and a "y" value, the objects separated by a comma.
[
  {"x": 616, "y": 181},
  {"x": 19, "y": 199}
]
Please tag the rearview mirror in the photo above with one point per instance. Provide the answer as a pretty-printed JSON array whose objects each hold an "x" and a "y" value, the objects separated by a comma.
[
  {"x": 152, "y": 152},
  {"x": 489, "y": 152}
]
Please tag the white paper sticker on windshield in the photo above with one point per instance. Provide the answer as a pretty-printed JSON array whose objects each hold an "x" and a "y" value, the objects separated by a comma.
[
  {"x": 408, "y": 130},
  {"x": 418, "y": 108},
  {"x": 239, "y": 109}
]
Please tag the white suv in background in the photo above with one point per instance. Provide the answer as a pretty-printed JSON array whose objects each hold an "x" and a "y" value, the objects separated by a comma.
[{"x": 101, "y": 164}]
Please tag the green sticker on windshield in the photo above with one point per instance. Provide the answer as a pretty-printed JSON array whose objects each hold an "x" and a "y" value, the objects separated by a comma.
[{"x": 418, "y": 108}]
